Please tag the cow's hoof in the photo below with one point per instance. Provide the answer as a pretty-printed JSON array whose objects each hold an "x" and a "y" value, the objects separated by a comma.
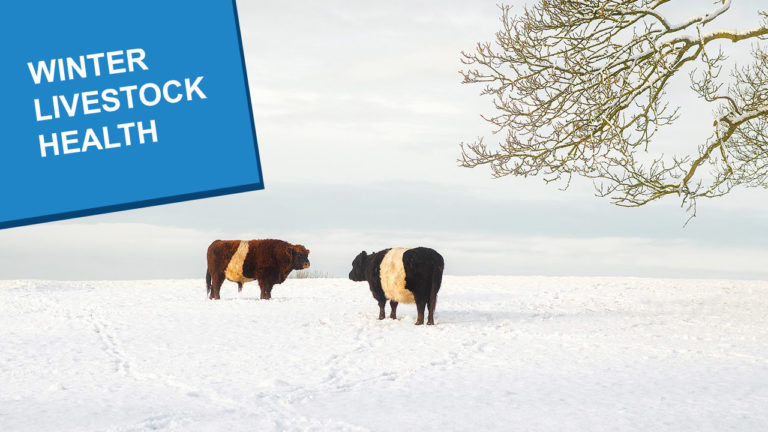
[
  {"x": 419, "y": 322},
  {"x": 393, "y": 316},
  {"x": 430, "y": 323},
  {"x": 381, "y": 317}
]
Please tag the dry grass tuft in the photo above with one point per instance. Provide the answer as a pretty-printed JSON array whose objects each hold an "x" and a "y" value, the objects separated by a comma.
[{"x": 309, "y": 274}]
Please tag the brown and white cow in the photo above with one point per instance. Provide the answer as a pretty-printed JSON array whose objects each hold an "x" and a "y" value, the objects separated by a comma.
[{"x": 267, "y": 261}]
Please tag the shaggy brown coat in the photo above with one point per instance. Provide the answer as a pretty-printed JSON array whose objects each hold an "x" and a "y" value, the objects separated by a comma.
[{"x": 267, "y": 261}]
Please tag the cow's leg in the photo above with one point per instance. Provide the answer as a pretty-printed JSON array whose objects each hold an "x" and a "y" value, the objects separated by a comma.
[
  {"x": 393, "y": 305},
  {"x": 420, "y": 305},
  {"x": 239, "y": 287},
  {"x": 382, "y": 315},
  {"x": 266, "y": 288},
  {"x": 216, "y": 280},
  {"x": 431, "y": 307}
]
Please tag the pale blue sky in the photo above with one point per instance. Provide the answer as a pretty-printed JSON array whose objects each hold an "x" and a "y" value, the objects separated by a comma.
[{"x": 359, "y": 112}]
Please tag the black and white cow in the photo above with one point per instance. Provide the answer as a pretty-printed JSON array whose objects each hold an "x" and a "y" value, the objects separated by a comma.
[{"x": 401, "y": 275}]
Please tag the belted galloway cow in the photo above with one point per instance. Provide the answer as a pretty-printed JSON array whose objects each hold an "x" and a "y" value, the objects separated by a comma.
[
  {"x": 401, "y": 275},
  {"x": 267, "y": 261}
]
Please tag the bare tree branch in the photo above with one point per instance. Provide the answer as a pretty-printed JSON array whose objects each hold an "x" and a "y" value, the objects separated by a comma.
[{"x": 579, "y": 88}]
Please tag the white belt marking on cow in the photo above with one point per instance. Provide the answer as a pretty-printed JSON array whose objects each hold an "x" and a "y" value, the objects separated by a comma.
[
  {"x": 234, "y": 271},
  {"x": 392, "y": 275}
]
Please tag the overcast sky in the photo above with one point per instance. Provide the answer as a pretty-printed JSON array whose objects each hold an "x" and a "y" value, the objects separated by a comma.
[{"x": 359, "y": 111}]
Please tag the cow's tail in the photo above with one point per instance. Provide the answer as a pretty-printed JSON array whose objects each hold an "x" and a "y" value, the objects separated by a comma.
[
  {"x": 208, "y": 283},
  {"x": 437, "y": 277}
]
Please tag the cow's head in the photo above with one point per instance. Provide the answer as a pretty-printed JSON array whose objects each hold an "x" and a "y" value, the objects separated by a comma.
[
  {"x": 299, "y": 257},
  {"x": 358, "y": 267}
]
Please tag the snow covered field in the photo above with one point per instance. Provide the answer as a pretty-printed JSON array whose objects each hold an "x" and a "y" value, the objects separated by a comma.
[{"x": 507, "y": 353}]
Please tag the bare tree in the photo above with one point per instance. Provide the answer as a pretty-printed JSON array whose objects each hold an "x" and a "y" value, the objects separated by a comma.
[{"x": 579, "y": 89}]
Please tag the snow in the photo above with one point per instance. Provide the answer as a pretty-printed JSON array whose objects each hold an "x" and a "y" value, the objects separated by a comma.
[
  {"x": 749, "y": 115},
  {"x": 702, "y": 19},
  {"x": 507, "y": 353}
]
